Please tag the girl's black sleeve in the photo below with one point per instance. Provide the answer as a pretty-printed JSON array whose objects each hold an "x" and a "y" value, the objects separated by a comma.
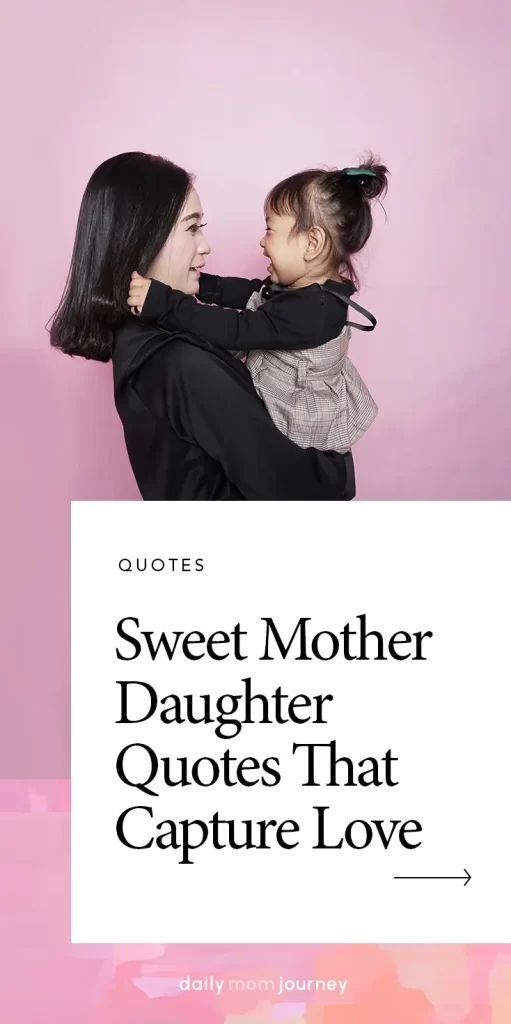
[
  {"x": 292, "y": 319},
  {"x": 229, "y": 292}
]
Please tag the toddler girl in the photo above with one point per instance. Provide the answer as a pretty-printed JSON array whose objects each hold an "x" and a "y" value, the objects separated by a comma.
[{"x": 293, "y": 327}]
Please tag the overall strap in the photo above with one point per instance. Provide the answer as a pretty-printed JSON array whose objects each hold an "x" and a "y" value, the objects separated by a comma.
[{"x": 330, "y": 286}]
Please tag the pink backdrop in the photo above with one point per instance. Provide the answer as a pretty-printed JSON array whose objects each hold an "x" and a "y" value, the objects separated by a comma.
[{"x": 243, "y": 95}]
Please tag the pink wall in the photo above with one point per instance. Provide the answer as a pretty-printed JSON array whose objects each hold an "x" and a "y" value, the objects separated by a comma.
[{"x": 243, "y": 95}]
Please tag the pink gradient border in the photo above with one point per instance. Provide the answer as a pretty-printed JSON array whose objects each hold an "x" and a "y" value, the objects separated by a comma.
[{"x": 45, "y": 978}]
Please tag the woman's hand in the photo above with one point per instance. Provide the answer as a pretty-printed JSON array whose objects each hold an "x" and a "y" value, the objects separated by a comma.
[{"x": 139, "y": 287}]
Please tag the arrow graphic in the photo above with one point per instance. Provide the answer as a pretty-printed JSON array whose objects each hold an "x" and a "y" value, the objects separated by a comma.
[{"x": 435, "y": 878}]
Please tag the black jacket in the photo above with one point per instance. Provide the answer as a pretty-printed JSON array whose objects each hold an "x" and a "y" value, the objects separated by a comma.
[{"x": 196, "y": 430}]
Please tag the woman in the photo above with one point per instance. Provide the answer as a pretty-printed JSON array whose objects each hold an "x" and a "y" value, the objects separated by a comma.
[{"x": 194, "y": 426}]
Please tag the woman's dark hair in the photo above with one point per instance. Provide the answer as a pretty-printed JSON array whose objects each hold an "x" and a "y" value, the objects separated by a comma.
[
  {"x": 337, "y": 201},
  {"x": 128, "y": 210}
]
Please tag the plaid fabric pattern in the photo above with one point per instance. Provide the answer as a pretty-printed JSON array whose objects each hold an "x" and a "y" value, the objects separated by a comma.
[{"x": 316, "y": 397}]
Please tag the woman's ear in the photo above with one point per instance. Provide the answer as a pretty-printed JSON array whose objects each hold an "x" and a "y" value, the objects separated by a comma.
[{"x": 316, "y": 243}]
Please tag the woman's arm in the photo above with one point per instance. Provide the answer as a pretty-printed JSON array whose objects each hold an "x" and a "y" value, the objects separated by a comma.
[
  {"x": 212, "y": 399},
  {"x": 229, "y": 292},
  {"x": 292, "y": 319}
]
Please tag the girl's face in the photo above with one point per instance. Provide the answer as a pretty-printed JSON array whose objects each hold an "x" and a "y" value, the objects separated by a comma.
[
  {"x": 284, "y": 249},
  {"x": 178, "y": 264}
]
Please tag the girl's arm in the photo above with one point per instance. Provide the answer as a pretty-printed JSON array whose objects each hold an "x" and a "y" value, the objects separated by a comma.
[
  {"x": 229, "y": 292},
  {"x": 292, "y": 319}
]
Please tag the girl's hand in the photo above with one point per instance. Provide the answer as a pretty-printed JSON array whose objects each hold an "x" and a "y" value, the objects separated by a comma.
[{"x": 139, "y": 287}]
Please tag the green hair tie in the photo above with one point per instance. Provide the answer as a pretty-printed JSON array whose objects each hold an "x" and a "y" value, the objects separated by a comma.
[{"x": 355, "y": 171}]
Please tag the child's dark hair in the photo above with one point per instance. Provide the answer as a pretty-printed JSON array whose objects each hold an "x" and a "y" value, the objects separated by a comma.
[
  {"x": 337, "y": 201},
  {"x": 128, "y": 210}
]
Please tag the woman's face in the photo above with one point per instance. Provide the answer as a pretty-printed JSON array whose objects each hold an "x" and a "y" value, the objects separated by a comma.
[{"x": 178, "y": 263}]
